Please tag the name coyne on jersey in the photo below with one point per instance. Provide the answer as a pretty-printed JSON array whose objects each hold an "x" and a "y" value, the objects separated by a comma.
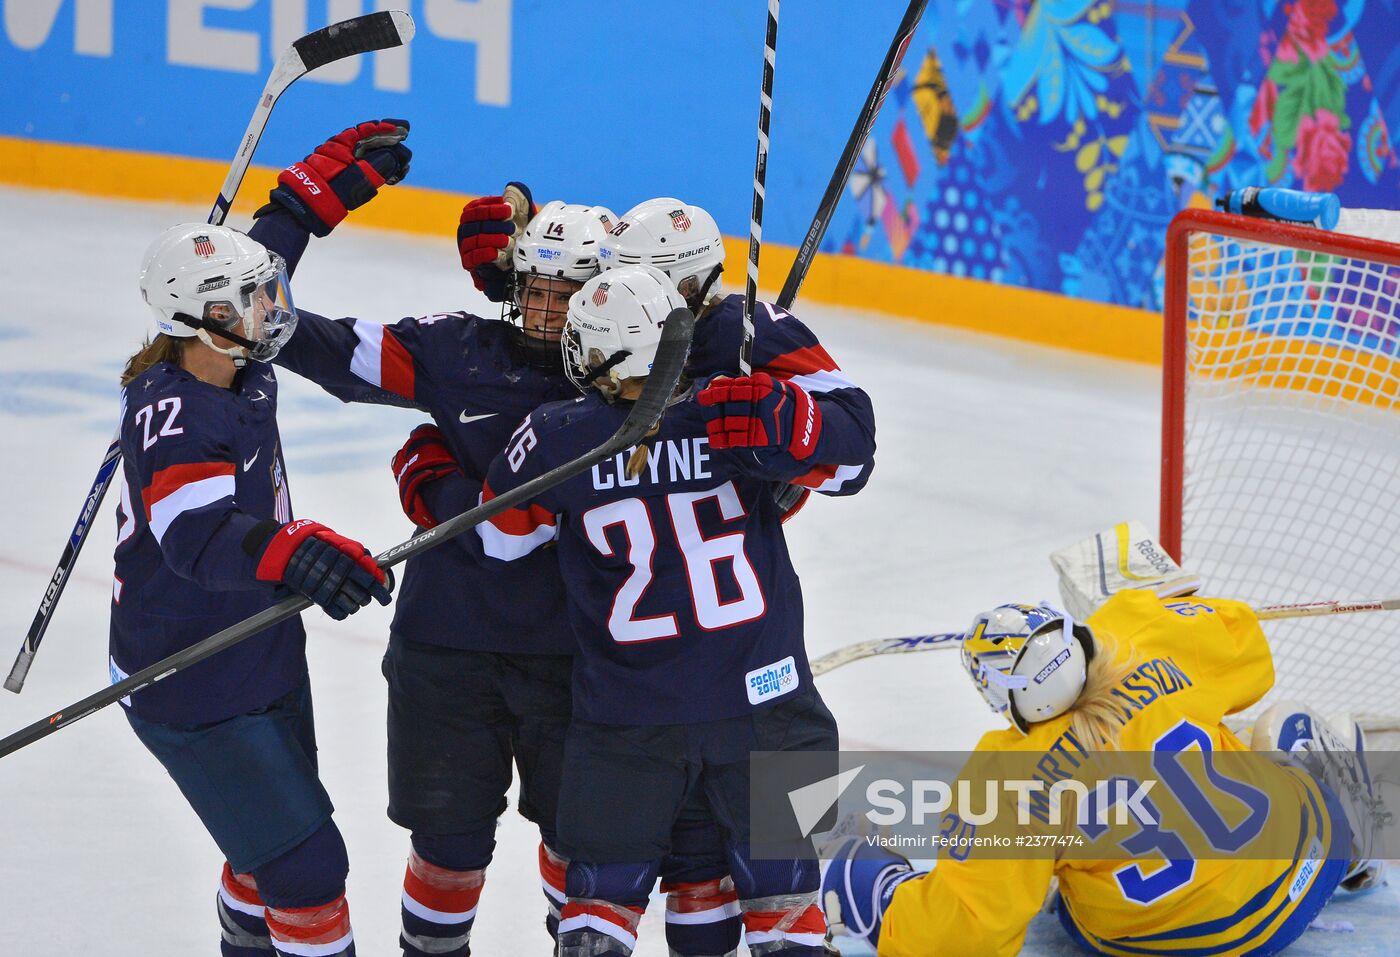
[{"x": 682, "y": 459}]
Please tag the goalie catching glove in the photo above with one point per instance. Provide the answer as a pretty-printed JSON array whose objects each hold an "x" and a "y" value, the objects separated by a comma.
[
  {"x": 1125, "y": 556},
  {"x": 335, "y": 572},
  {"x": 343, "y": 174}
]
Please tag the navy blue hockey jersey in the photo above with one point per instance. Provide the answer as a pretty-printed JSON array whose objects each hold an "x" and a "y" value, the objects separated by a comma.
[
  {"x": 680, "y": 586},
  {"x": 201, "y": 465},
  {"x": 465, "y": 372}
]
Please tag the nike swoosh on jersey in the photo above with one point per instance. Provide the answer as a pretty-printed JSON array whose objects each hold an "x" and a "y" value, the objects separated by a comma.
[
  {"x": 464, "y": 418},
  {"x": 249, "y": 464}
]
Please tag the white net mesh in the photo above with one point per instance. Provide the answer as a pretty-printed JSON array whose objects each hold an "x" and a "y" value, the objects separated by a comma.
[{"x": 1292, "y": 454}]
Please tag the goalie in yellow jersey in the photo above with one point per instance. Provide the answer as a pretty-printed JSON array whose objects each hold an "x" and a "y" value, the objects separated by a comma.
[{"x": 1158, "y": 677}]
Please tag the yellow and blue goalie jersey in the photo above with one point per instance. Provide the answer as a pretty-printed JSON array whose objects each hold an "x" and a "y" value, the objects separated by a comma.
[{"x": 1208, "y": 877}]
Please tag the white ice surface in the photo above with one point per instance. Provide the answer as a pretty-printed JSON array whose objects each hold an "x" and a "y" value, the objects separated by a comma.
[{"x": 991, "y": 455}]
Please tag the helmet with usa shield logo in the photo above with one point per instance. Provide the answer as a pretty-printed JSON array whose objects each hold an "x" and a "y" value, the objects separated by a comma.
[
  {"x": 614, "y": 326},
  {"x": 680, "y": 239},
  {"x": 216, "y": 283},
  {"x": 1029, "y": 662}
]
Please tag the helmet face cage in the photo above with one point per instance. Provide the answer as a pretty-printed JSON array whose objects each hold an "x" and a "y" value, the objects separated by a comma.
[
  {"x": 994, "y": 645},
  {"x": 539, "y": 305}
]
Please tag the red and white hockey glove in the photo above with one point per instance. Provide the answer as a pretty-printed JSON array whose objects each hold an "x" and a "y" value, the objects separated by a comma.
[
  {"x": 761, "y": 412},
  {"x": 424, "y": 459},
  {"x": 343, "y": 174},
  {"x": 335, "y": 572},
  {"x": 488, "y": 227}
]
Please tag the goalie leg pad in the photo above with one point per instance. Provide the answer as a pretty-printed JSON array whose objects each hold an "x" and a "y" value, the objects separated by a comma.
[{"x": 1339, "y": 764}]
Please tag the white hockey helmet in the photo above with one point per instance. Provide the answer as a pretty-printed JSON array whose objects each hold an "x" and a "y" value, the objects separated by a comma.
[
  {"x": 681, "y": 240},
  {"x": 615, "y": 324},
  {"x": 200, "y": 279},
  {"x": 563, "y": 240},
  {"x": 1029, "y": 662}
]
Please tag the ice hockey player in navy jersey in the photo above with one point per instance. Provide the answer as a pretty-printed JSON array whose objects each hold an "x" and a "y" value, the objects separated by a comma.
[
  {"x": 687, "y": 609},
  {"x": 206, "y": 538},
  {"x": 480, "y": 660}
]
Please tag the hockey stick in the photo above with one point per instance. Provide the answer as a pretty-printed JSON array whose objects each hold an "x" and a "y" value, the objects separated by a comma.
[
  {"x": 666, "y": 371},
  {"x": 59, "y": 578},
  {"x": 948, "y": 640},
  {"x": 760, "y": 176},
  {"x": 884, "y": 646},
  {"x": 827, "y": 208},
  {"x": 375, "y": 31}
]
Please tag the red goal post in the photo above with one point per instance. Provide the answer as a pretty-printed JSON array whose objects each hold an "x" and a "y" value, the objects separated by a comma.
[{"x": 1281, "y": 438}]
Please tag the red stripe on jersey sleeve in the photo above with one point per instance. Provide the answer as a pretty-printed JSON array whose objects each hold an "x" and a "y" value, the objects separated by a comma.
[
  {"x": 518, "y": 521},
  {"x": 395, "y": 366},
  {"x": 802, "y": 361},
  {"x": 171, "y": 479},
  {"x": 815, "y": 477}
]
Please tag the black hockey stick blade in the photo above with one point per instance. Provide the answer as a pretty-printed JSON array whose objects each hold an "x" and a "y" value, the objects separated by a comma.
[
  {"x": 864, "y": 122},
  {"x": 110, "y": 462},
  {"x": 373, "y": 31},
  {"x": 666, "y": 369}
]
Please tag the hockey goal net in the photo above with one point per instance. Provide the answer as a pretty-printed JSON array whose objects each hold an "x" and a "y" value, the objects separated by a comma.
[{"x": 1281, "y": 438}]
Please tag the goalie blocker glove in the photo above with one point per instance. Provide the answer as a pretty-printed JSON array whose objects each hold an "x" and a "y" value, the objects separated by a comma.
[
  {"x": 335, "y": 572},
  {"x": 859, "y": 881},
  {"x": 343, "y": 174}
]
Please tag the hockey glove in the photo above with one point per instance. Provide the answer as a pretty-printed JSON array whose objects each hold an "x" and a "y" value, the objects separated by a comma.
[
  {"x": 859, "y": 881},
  {"x": 335, "y": 572},
  {"x": 343, "y": 174},
  {"x": 424, "y": 459},
  {"x": 486, "y": 235},
  {"x": 761, "y": 412}
]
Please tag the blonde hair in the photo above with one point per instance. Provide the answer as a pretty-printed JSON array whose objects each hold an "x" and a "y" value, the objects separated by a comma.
[
  {"x": 162, "y": 348},
  {"x": 1096, "y": 717}
]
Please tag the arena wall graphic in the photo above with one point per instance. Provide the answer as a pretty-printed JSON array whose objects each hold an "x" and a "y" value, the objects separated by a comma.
[{"x": 1019, "y": 179}]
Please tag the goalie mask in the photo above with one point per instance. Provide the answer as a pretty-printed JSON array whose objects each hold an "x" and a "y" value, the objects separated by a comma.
[
  {"x": 614, "y": 326},
  {"x": 1029, "y": 662},
  {"x": 681, "y": 240},
  {"x": 203, "y": 280},
  {"x": 557, "y": 252}
]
